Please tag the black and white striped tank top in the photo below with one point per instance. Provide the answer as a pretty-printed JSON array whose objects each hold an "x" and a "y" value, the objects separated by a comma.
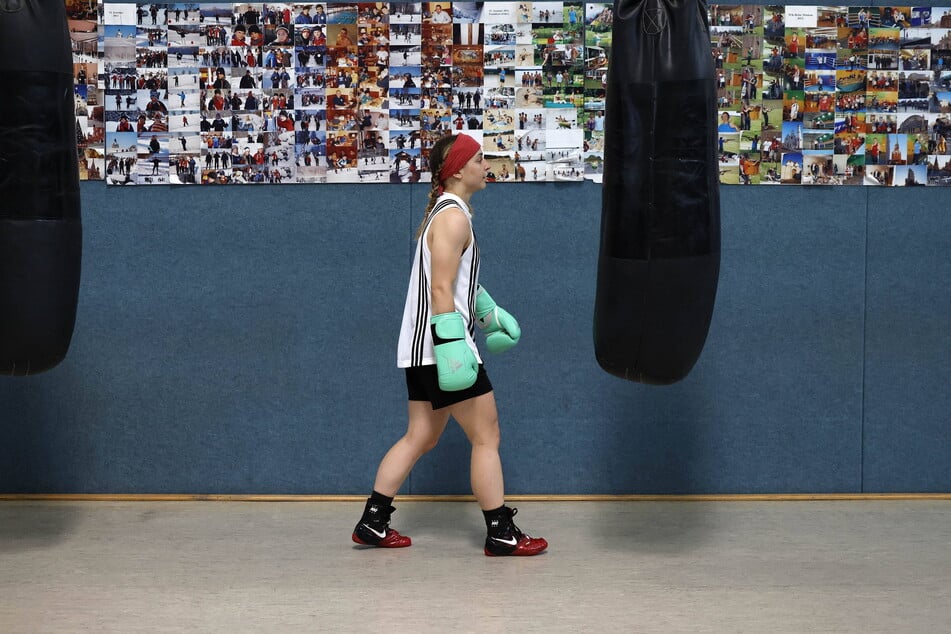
[{"x": 416, "y": 343}]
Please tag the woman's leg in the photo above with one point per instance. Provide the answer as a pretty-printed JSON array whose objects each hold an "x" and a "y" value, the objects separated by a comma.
[
  {"x": 425, "y": 427},
  {"x": 479, "y": 419}
]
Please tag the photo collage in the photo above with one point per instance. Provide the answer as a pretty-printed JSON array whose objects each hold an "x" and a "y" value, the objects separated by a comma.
[
  {"x": 828, "y": 95},
  {"x": 243, "y": 93},
  {"x": 209, "y": 93}
]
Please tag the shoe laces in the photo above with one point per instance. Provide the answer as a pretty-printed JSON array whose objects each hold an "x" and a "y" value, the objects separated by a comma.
[{"x": 515, "y": 531}]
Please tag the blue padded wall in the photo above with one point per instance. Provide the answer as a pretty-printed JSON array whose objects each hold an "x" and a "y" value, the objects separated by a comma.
[
  {"x": 242, "y": 340},
  {"x": 773, "y": 405},
  {"x": 907, "y": 435}
]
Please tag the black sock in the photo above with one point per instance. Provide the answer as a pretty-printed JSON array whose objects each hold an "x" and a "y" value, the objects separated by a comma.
[
  {"x": 379, "y": 498},
  {"x": 497, "y": 521},
  {"x": 377, "y": 509}
]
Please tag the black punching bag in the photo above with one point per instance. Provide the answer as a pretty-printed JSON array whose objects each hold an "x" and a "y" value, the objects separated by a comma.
[
  {"x": 660, "y": 216},
  {"x": 40, "y": 228}
]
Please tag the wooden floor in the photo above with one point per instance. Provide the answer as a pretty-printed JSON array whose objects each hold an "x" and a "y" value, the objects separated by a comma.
[{"x": 663, "y": 566}]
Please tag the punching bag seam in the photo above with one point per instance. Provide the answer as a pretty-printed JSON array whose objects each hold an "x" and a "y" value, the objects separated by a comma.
[{"x": 651, "y": 210}]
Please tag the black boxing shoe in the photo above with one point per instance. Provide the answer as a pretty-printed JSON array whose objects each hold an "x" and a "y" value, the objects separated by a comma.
[
  {"x": 509, "y": 541},
  {"x": 374, "y": 529}
]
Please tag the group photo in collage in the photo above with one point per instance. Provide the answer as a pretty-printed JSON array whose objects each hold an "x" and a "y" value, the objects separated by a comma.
[{"x": 221, "y": 93}]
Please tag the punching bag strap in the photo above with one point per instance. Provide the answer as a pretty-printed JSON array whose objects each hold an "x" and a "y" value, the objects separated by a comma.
[{"x": 655, "y": 18}]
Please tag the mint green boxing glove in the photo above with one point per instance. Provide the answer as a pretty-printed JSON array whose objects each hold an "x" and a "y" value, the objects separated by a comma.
[
  {"x": 456, "y": 365},
  {"x": 501, "y": 330}
]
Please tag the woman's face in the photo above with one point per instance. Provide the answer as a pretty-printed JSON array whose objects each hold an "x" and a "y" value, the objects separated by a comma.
[{"x": 474, "y": 171}]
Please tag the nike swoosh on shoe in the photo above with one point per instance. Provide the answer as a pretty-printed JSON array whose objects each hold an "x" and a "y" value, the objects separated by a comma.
[
  {"x": 511, "y": 542},
  {"x": 374, "y": 531}
]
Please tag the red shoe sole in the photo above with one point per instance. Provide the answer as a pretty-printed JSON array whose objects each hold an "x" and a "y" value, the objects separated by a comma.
[
  {"x": 398, "y": 543},
  {"x": 520, "y": 552}
]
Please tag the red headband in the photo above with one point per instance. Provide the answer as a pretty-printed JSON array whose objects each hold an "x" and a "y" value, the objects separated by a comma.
[{"x": 462, "y": 149}]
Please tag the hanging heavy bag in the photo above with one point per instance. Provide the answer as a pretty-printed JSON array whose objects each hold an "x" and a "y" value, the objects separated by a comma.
[
  {"x": 659, "y": 255},
  {"x": 40, "y": 228}
]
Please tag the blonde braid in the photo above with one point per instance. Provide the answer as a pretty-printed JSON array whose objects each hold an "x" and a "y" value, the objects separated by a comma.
[
  {"x": 437, "y": 155},
  {"x": 433, "y": 196}
]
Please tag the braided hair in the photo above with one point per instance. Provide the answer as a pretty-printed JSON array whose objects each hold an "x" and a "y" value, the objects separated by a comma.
[{"x": 437, "y": 156}]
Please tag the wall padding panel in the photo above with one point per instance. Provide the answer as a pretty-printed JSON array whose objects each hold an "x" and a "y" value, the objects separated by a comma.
[{"x": 243, "y": 340}]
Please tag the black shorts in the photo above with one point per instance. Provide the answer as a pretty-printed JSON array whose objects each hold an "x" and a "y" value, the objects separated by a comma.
[{"x": 422, "y": 384}]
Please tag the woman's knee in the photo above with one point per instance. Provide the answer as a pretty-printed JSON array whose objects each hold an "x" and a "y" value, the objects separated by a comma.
[
  {"x": 479, "y": 418},
  {"x": 429, "y": 443},
  {"x": 487, "y": 434},
  {"x": 422, "y": 443}
]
